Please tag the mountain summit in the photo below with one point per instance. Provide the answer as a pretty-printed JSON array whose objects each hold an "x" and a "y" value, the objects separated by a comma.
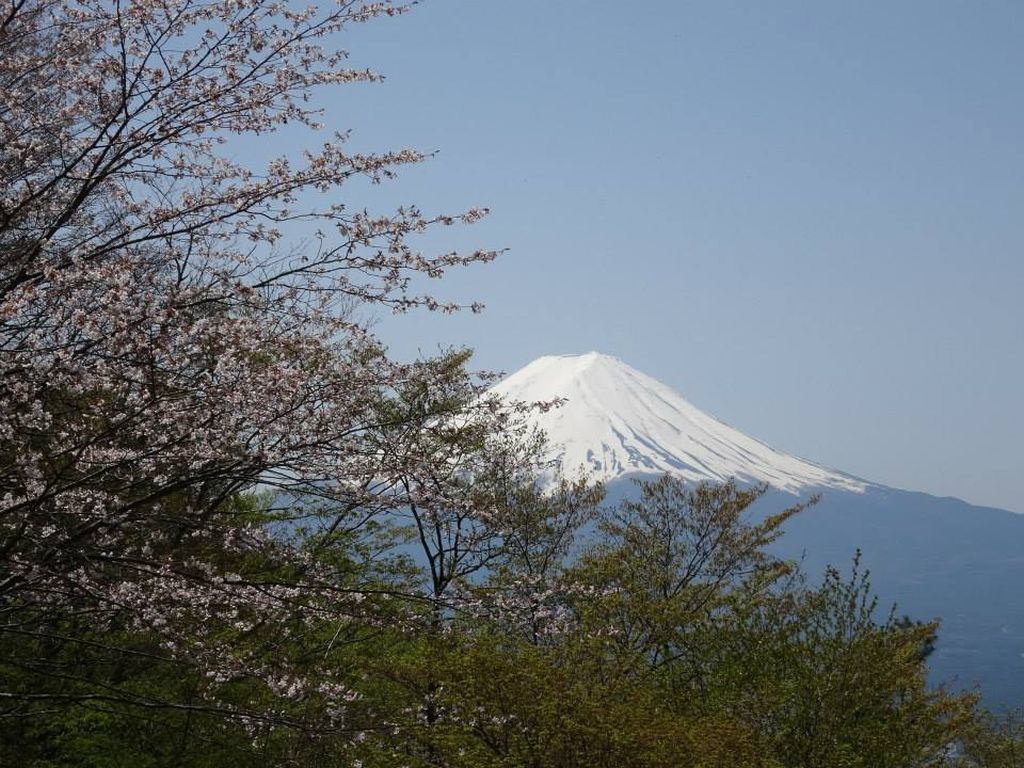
[{"x": 618, "y": 421}]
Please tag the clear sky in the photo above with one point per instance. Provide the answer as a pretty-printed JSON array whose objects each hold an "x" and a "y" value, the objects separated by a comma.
[{"x": 807, "y": 217}]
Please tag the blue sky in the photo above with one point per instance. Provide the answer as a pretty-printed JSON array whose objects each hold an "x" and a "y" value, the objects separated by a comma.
[{"x": 807, "y": 217}]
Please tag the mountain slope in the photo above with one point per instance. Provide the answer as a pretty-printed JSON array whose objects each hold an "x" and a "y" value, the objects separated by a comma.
[
  {"x": 932, "y": 557},
  {"x": 617, "y": 421}
]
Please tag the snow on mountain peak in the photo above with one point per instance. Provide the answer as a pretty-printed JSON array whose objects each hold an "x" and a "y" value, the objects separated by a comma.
[{"x": 618, "y": 421}]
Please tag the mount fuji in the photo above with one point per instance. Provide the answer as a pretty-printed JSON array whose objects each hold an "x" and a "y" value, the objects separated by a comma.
[
  {"x": 617, "y": 421},
  {"x": 932, "y": 557}
]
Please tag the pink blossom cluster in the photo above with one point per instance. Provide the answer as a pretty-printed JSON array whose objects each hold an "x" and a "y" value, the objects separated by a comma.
[{"x": 164, "y": 349}]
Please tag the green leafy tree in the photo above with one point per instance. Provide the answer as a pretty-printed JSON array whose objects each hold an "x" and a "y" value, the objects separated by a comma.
[
  {"x": 828, "y": 684},
  {"x": 672, "y": 562},
  {"x": 994, "y": 741}
]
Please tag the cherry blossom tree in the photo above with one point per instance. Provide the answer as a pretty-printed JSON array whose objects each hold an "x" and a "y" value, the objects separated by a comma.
[{"x": 165, "y": 344}]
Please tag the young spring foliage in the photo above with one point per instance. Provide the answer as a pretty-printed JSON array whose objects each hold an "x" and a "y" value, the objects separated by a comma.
[{"x": 234, "y": 531}]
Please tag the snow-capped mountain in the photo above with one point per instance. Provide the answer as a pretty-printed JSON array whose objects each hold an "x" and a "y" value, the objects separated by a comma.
[
  {"x": 617, "y": 421},
  {"x": 932, "y": 557}
]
